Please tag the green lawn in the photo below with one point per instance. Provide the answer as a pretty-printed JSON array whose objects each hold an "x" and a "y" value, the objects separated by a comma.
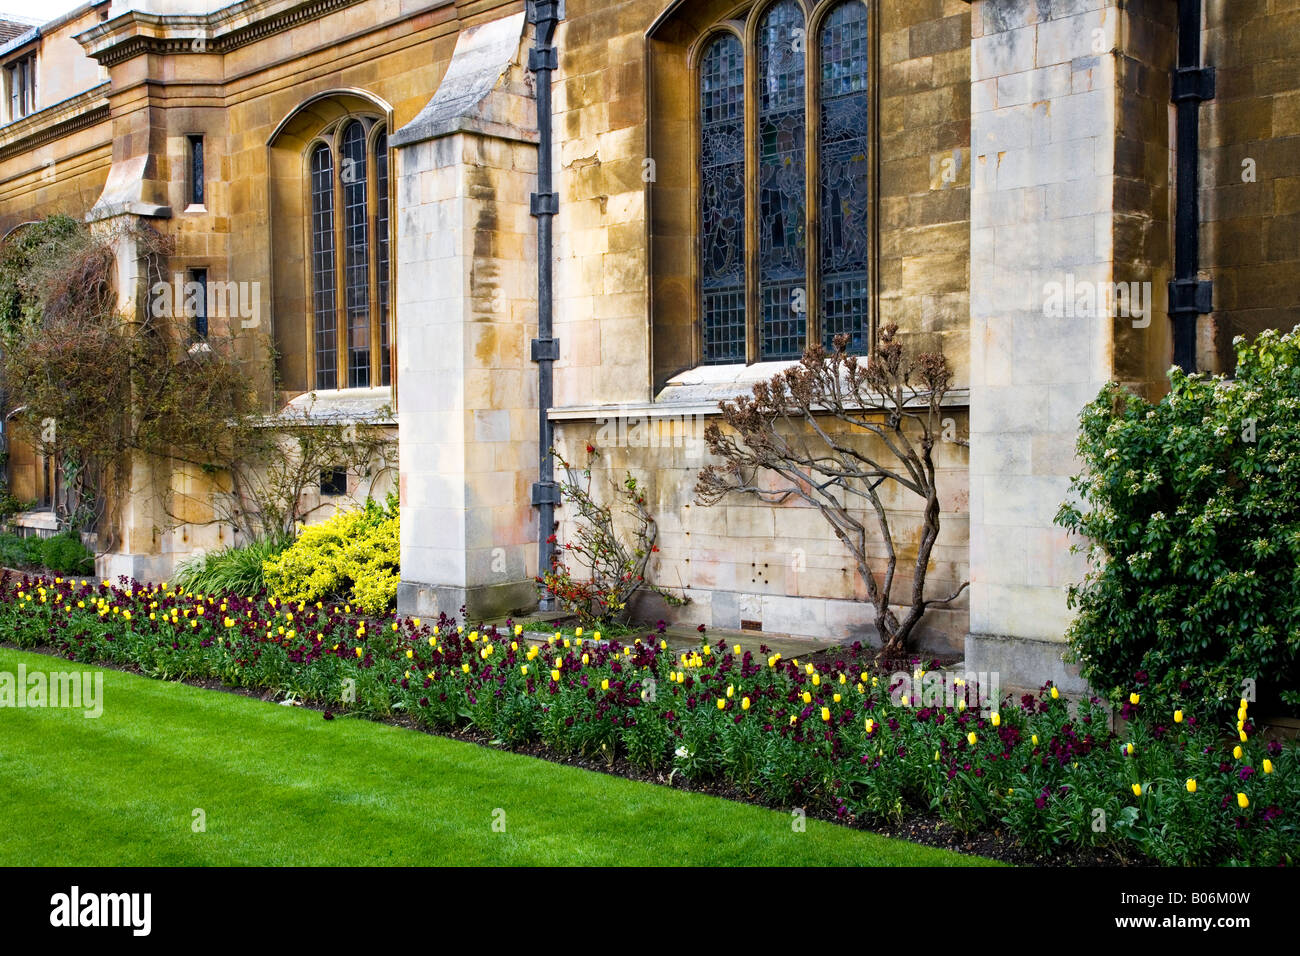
[{"x": 281, "y": 786}]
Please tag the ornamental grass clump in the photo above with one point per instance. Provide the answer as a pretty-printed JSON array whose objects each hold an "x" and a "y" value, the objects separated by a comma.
[{"x": 1180, "y": 787}]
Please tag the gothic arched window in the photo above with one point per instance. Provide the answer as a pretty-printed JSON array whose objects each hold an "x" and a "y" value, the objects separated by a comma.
[
  {"x": 349, "y": 181},
  {"x": 782, "y": 238}
]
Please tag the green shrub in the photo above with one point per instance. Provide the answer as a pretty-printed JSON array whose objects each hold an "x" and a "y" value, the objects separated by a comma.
[
  {"x": 230, "y": 570},
  {"x": 352, "y": 557},
  {"x": 66, "y": 554},
  {"x": 1192, "y": 508},
  {"x": 63, "y": 553},
  {"x": 17, "y": 552}
]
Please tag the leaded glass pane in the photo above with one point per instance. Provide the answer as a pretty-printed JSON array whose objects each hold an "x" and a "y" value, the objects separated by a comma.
[
  {"x": 356, "y": 246},
  {"x": 381, "y": 246},
  {"x": 845, "y": 176},
  {"x": 322, "y": 267},
  {"x": 722, "y": 200},
  {"x": 782, "y": 204}
]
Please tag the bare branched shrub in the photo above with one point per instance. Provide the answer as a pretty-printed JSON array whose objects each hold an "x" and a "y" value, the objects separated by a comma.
[
  {"x": 99, "y": 391},
  {"x": 783, "y": 443}
]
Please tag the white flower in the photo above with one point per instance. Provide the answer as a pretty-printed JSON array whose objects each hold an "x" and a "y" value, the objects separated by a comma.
[{"x": 682, "y": 752}]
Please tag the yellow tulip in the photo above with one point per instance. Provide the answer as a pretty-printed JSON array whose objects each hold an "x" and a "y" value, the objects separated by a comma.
[
  {"x": 1243, "y": 801},
  {"x": 1055, "y": 693},
  {"x": 793, "y": 718},
  {"x": 1137, "y": 789},
  {"x": 1134, "y": 699},
  {"x": 1236, "y": 751},
  {"x": 871, "y": 725},
  {"x": 555, "y": 676},
  {"x": 604, "y": 685},
  {"x": 971, "y": 738},
  {"x": 1268, "y": 766},
  {"x": 836, "y": 698},
  {"x": 464, "y": 668},
  {"x": 817, "y": 680},
  {"x": 1178, "y": 716},
  {"x": 722, "y": 704},
  {"x": 736, "y": 650},
  {"x": 523, "y": 669},
  {"x": 996, "y": 720},
  {"x": 744, "y": 703},
  {"x": 731, "y": 690},
  {"x": 807, "y": 697},
  {"x": 1191, "y": 785},
  {"x": 1034, "y": 740},
  {"x": 826, "y": 713}
]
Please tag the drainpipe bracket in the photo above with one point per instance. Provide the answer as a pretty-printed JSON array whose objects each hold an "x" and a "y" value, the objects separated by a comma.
[
  {"x": 546, "y": 350},
  {"x": 547, "y": 58},
  {"x": 1193, "y": 84},
  {"x": 544, "y": 204},
  {"x": 546, "y": 493},
  {"x": 542, "y": 10},
  {"x": 1191, "y": 297}
]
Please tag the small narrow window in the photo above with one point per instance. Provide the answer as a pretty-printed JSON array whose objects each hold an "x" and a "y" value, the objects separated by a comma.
[
  {"x": 20, "y": 85},
  {"x": 322, "y": 268},
  {"x": 20, "y": 80},
  {"x": 845, "y": 176},
  {"x": 381, "y": 254},
  {"x": 722, "y": 200},
  {"x": 196, "y": 170},
  {"x": 334, "y": 481},
  {"x": 782, "y": 243},
  {"x": 199, "y": 300},
  {"x": 356, "y": 251}
]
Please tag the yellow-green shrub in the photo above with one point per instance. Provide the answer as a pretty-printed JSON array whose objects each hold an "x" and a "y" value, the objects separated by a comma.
[{"x": 352, "y": 557}]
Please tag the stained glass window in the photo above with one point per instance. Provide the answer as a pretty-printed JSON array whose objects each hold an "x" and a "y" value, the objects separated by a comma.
[
  {"x": 722, "y": 199},
  {"x": 322, "y": 267},
  {"x": 772, "y": 180},
  {"x": 782, "y": 209},
  {"x": 356, "y": 245},
  {"x": 381, "y": 255},
  {"x": 844, "y": 175}
]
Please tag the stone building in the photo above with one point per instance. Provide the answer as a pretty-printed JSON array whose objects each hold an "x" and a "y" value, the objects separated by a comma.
[{"x": 1057, "y": 193}]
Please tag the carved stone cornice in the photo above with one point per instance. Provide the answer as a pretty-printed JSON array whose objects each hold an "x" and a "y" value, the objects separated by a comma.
[
  {"x": 134, "y": 33},
  {"x": 55, "y": 122}
]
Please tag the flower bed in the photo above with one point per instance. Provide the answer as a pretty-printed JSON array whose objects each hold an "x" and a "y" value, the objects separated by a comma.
[{"x": 1173, "y": 789}]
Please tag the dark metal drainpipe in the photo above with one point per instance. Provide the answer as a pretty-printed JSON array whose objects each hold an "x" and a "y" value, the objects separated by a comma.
[
  {"x": 543, "y": 60},
  {"x": 1189, "y": 296}
]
